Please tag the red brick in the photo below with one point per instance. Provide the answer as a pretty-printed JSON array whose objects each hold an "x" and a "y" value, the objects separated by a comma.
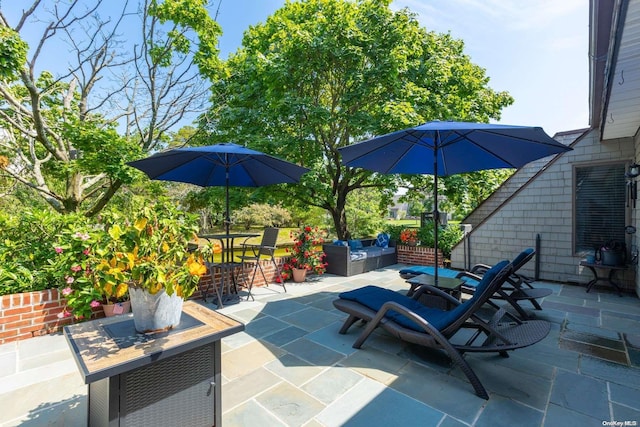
[
  {"x": 6, "y": 320},
  {"x": 8, "y": 334},
  {"x": 31, "y": 329},
  {"x": 17, "y": 310}
]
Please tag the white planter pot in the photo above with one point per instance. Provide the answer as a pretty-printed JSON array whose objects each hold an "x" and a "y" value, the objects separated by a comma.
[{"x": 155, "y": 313}]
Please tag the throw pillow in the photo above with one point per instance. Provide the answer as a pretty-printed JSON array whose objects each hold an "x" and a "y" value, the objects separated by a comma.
[
  {"x": 382, "y": 241},
  {"x": 340, "y": 243}
]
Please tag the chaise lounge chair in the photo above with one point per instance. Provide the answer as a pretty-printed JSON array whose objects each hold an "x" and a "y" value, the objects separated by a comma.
[
  {"x": 406, "y": 318},
  {"x": 516, "y": 288}
]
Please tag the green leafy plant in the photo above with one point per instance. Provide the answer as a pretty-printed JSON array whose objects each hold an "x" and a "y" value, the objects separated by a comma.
[
  {"x": 306, "y": 252},
  {"x": 150, "y": 253}
]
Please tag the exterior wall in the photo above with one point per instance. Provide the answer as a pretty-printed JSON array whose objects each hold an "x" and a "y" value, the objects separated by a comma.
[
  {"x": 515, "y": 181},
  {"x": 544, "y": 207},
  {"x": 33, "y": 314}
]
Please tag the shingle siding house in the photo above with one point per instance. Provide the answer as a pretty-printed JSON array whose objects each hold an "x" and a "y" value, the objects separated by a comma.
[{"x": 567, "y": 203}]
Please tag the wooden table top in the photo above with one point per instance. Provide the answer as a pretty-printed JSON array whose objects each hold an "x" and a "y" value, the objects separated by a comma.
[{"x": 110, "y": 346}]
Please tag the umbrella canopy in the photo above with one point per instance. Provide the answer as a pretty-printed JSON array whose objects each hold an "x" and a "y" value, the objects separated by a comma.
[
  {"x": 225, "y": 164},
  {"x": 447, "y": 148}
]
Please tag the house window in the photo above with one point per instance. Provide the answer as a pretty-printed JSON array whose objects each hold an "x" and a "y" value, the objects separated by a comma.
[{"x": 600, "y": 205}]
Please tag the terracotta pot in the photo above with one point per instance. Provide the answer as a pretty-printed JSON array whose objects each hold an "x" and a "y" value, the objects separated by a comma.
[
  {"x": 117, "y": 308},
  {"x": 299, "y": 275}
]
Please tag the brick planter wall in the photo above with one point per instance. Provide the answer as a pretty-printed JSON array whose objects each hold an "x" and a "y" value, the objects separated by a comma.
[
  {"x": 418, "y": 255},
  {"x": 33, "y": 314}
]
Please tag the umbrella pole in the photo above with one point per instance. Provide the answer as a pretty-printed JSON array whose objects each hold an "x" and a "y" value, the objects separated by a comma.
[
  {"x": 227, "y": 219},
  {"x": 435, "y": 205}
]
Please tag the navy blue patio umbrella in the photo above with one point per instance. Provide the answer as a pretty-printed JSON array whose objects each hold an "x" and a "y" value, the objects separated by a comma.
[
  {"x": 443, "y": 148},
  {"x": 225, "y": 164}
]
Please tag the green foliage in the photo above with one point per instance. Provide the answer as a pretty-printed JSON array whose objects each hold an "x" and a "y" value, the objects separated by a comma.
[
  {"x": 188, "y": 14},
  {"x": 95, "y": 261},
  {"x": 321, "y": 74},
  {"x": 263, "y": 215},
  {"x": 27, "y": 245},
  {"x": 448, "y": 237},
  {"x": 365, "y": 216},
  {"x": 465, "y": 192},
  {"x": 394, "y": 231},
  {"x": 13, "y": 54}
]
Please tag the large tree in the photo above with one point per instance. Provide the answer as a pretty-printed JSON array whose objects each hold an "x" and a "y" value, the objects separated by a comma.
[
  {"x": 125, "y": 76},
  {"x": 322, "y": 74}
]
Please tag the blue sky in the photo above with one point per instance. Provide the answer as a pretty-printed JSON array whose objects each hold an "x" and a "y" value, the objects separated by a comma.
[{"x": 535, "y": 49}]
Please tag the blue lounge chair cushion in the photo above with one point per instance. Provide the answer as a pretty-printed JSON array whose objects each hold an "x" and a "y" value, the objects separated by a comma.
[
  {"x": 374, "y": 298},
  {"x": 522, "y": 255}
]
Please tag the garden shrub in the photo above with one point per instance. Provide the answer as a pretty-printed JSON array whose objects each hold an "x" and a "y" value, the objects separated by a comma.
[{"x": 27, "y": 245}]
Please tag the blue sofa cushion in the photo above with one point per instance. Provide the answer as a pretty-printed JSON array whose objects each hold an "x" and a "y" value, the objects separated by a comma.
[{"x": 340, "y": 243}]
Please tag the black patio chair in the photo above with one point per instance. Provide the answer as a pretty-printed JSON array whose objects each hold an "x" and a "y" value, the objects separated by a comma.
[{"x": 254, "y": 254}]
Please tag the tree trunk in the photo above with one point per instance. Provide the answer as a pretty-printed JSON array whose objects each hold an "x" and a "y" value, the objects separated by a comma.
[{"x": 339, "y": 216}]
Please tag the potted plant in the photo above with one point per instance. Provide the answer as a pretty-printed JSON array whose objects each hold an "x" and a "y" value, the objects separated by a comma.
[
  {"x": 151, "y": 256},
  {"x": 111, "y": 281},
  {"x": 409, "y": 237},
  {"x": 306, "y": 254}
]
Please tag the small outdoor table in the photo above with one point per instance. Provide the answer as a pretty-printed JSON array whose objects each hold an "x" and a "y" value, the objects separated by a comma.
[
  {"x": 167, "y": 378},
  {"x": 608, "y": 278},
  {"x": 449, "y": 285},
  {"x": 227, "y": 266}
]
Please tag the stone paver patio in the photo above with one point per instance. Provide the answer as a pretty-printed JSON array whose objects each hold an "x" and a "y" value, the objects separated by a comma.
[{"x": 291, "y": 368}]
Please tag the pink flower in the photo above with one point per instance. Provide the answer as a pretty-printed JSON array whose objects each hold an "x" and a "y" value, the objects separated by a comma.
[
  {"x": 67, "y": 291},
  {"x": 58, "y": 250},
  {"x": 70, "y": 280},
  {"x": 82, "y": 236},
  {"x": 63, "y": 314},
  {"x": 76, "y": 268},
  {"x": 94, "y": 304},
  {"x": 86, "y": 251}
]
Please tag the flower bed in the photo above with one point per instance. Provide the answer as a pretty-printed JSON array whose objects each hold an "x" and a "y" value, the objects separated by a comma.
[{"x": 33, "y": 314}]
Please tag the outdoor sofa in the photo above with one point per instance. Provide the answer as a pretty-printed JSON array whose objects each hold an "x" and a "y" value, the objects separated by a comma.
[{"x": 347, "y": 258}]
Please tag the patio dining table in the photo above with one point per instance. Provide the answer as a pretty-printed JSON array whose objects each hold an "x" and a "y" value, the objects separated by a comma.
[{"x": 227, "y": 266}]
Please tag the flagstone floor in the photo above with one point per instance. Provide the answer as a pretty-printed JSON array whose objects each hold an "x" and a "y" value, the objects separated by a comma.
[{"x": 290, "y": 367}]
